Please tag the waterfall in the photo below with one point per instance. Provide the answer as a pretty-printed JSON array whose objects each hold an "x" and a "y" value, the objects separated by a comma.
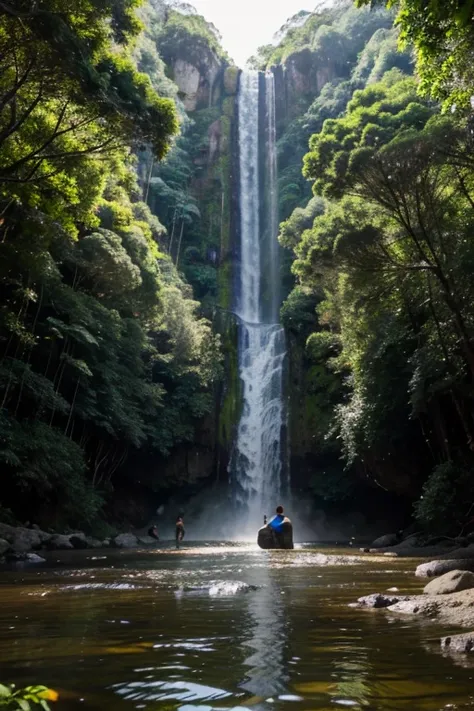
[{"x": 256, "y": 465}]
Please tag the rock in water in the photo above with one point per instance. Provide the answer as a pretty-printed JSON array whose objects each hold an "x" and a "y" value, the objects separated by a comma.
[
  {"x": 459, "y": 642},
  {"x": 377, "y": 600},
  {"x": 451, "y": 582},
  {"x": 13, "y": 557},
  {"x": 268, "y": 539},
  {"x": 439, "y": 567},
  {"x": 126, "y": 540}
]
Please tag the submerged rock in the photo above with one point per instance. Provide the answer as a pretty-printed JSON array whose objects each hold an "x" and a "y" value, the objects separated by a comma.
[
  {"x": 451, "y": 582},
  {"x": 459, "y": 642},
  {"x": 217, "y": 588},
  {"x": 125, "y": 540},
  {"x": 378, "y": 600},
  {"x": 439, "y": 567}
]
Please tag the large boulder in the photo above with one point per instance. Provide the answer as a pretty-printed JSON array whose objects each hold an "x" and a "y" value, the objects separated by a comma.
[
  {"x": 454, "y": 581},
  {"x": 459, "y": 553},
  {"x": 439, "y": 567},
  {"x": 34, "y": 536},
  {"x": 4, "y": 546},
  {"x": 7, "y": 532},
  {"x": 25, "y": 539},
  {"x": 79, "y": 541},
  {"x": 58, "y": 542},
  {"x": 268, "y": 539},
  {"x": 391, "y": 539},
  {"x": 126, "y": 540}
]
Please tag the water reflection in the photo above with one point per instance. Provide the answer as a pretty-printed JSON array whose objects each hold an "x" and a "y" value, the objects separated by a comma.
[
  {"x": 267, "y": 675},
  {"x": 169, "y": 691}
]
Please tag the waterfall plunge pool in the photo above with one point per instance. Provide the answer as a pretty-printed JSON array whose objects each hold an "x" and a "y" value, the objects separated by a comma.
[{"x": 223, "y": 626}]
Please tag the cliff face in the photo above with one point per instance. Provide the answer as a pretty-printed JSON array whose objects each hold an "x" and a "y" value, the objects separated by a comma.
[{"x": 207, "y": 85}]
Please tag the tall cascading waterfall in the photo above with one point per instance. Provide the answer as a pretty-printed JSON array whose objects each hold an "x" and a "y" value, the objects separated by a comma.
[{"x": 256, "y": 468}]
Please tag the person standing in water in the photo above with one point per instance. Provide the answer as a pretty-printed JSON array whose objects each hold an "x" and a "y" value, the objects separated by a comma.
[{"x": 179, "y": 530}]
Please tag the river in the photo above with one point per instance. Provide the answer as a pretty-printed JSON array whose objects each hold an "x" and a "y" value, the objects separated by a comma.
[{"x": 169, "y": 629}]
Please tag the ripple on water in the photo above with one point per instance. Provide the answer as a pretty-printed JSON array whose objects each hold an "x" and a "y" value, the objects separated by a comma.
[{"x": 169, "y": 691}]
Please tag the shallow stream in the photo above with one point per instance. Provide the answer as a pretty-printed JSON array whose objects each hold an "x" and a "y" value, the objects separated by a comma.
[{"x": 170, "y": 629}]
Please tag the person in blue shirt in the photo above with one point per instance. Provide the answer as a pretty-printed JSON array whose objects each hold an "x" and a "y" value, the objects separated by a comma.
[
  {"x": 276, "y": 523},
  {"x": 277, "y": 533}
]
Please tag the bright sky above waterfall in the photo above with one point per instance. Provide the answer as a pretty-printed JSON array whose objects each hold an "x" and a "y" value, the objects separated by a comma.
[{"x": 247, "y": 24}]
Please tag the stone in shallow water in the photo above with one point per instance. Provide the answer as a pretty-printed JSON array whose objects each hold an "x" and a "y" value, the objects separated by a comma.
[
  {"x": 459, "y": 642},
  {"x": 454, "y": 581},
  {"x": 268, "y": 539},
  {"x": 377, "y": 600}
]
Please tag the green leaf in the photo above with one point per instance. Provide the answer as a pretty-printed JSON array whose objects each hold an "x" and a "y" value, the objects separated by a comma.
[{"x": 5, "y": 691}]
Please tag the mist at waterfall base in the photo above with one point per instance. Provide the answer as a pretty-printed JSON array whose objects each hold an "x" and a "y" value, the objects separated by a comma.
[{"x": 210, "y": 516}]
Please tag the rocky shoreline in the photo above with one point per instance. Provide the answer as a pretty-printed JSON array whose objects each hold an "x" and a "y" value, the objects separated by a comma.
[
  {"x": 447, "y": 599},
  {"x": 23, "y": 544}
]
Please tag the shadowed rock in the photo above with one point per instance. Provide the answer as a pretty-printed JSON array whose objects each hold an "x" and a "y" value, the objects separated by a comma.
[
  {"x": 391, "y": 539},
  {"x": 268, "y": 539}
]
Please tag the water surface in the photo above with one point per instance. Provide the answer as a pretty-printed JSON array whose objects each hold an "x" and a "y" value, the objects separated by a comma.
[{"x": 170, "y": 629}]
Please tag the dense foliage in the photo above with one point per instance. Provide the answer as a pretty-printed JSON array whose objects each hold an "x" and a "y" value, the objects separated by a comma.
[
  {"x": 441, "y": 32},
  {"x": 103, "y": 350},
  {"x": 386, "y": 248},
  {"x": 334, "y": 52}
]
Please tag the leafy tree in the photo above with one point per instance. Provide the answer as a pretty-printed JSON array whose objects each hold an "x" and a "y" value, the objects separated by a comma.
[
  {"x": 102, "y": 351},
  {"x": 441, "y": 33}
]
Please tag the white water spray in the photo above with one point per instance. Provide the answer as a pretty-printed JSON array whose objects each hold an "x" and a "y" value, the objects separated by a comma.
[{"x": 256, "y": 466}]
